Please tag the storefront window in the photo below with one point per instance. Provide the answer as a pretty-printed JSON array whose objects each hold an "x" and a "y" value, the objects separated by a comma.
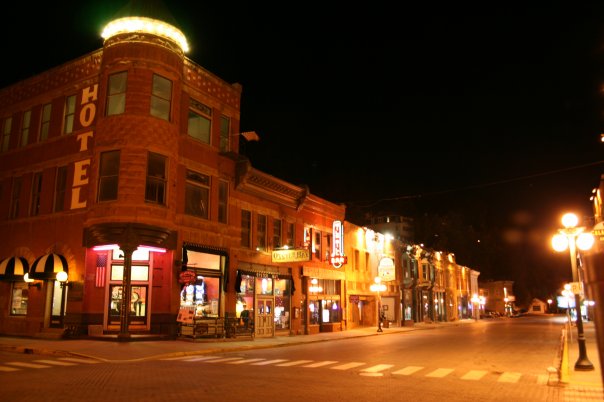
[
  {"x": 19, "y": 298},
  {"x": 202, "y": 295},
  {"x": 138, "y": 303},
  {"x": 282, "y": 303},
  {"x": 264, "y": 286},
  {"x": 314, "y": 309}
]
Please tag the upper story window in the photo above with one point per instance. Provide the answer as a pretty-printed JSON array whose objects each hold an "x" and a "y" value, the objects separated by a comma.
[
  {"x": 316, "y": 244},
  {"x": 155, "y": 189},
  {"x": 246, "y": 228},
  {"x": 290, "y": 240},
  {"x": 277, "y": 236},
  {"x": 70, "y": 103},
  {"x": 261, "y": 233},
  {"x": 197, "y": 194},
  {"x": 161, "y": 97},
  {"x": 109, "y": 175},
  {"x": 45, "y": 121},
  {"x": 116, "y": 93},
  {"x": 6, "y": 129},
  {"x": 25, "y": 123},
  {"x": 425, "y": 271},
  {"x": 200, "y": 121},
  {"x": 225, "y": 133},
  {"x": 60, "y": 189},
  {"x": 15, "y": 198},
  {"x": 223, "y": 201},
  {"x": 36, "y": 191}
]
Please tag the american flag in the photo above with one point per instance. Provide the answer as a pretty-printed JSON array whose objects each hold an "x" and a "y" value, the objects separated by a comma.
[{"x": 101, "y": 269}]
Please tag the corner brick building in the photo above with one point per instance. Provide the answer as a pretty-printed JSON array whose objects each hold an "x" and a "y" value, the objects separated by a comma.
[{"x": 121, "y": 184}]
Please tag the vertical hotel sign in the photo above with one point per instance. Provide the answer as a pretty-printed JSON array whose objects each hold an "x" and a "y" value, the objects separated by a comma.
[
  {"x": 337, "y": 255},
  {"x": 81, "y": 168}
]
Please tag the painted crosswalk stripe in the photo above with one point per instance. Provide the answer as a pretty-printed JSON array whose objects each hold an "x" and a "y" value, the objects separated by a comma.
[
  {"x": 27, "y": 365},
  {"x": 197, "y": 359},
  {"x": 439, "y": 373},
  {"x": 269, "y": 362},
  {"x": 294, "y": 363},
  {"x": 76, "y": 360},
  {"x": 320, "y": 364},
  {"x": 408, "y": 370},
  {"x": 377, "y": 368},
  {"x": 55, "y": 362},
  {"x": 347, "y": 366},
  {"x": 243, "y": 361},
  {"x": 3, "y": 368},
  {"x": 474, "y": 375},
  {"x": 509, "y": 377},
  {"x": 224, "y": 360}
]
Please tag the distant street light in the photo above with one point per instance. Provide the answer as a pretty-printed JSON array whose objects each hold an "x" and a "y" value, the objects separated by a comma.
[
  {"x": 475, "y": 305},
  {"x": 574, "y": 237},
  {"x": 378, "y": 287}
]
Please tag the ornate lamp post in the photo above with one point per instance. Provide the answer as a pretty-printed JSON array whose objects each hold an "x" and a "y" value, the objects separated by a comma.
[
  {"x": 574, "y": 237},
  {"x": 378, "y": 287}
]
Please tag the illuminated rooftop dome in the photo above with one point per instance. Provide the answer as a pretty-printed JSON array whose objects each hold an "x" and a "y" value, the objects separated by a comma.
[
  {"x": 146, "y": 16},
  {"x": 145, "y": 25}
]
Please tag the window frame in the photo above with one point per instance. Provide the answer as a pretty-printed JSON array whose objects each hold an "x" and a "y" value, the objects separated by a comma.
[
  {"x": 45, "y": 116},
  {"x": 161, "y": 98},
  {"x": 261, "y": 232},
  {"x": 69, "y": 114},
  {"x": 246, "y": 228},
  {"x": 7, "y": 127},
  {"x": 117, "y": 85},
  {"x": 109, "y": 176},
  {"x": 203, "y": 113},
  {"x": 156, "y": 180},
  {"x": 197, "y": 194},
  {"x": 25, "y": 126}
]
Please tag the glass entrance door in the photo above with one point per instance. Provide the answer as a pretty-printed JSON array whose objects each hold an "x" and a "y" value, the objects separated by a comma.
[
  {"x": 138, "y": 305},
  {"x": 264, "y": 323}
]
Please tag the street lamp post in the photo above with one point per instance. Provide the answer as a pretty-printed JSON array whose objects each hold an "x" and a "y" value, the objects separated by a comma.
[
  {"x": 378, "y": 287},
  {"x": 574, "y": 237}
]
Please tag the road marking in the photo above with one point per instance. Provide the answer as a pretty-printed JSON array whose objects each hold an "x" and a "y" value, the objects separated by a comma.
[
  {"x": 377, "y": 368},
  {"x": 269, "y": 362},
  {"x": 509, "y": 377},
  {"x": 321, "y": 364},
  {"x": 408, "y": 370},
  {"x": 243, "y": 361},
  {"x": 439, "y": 373},
  {"x": 474, "y": 375},
  {"x": 56, "y": 362},
  {"x": 294, "y": 363},
  {"x": 76, "y": 360},
  {"x": 27, "y": 365},
  {"x": 347, "y": 366},
  {"x": 224, "y": 359},
  {"x": 2, "y": 368},
  {"x": 196, "y": 359}
]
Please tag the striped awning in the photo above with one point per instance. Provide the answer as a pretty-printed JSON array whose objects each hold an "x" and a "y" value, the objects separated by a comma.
[
  {"x": 13, "y": 268},
  {"x": 47, "y": 267}
]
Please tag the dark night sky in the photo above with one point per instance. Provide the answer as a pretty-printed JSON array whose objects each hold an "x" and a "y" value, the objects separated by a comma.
[{"x": 489, "y": 108}]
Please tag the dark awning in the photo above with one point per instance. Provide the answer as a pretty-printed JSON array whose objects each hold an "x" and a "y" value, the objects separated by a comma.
[
  {"x": 47, "y": 266},
  {"x": 13, "y": 268}
]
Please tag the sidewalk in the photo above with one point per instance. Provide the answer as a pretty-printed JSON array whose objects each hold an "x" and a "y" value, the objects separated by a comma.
[
  {"x": 584, "y": 383},
  {"x": 109, "y": 349}
]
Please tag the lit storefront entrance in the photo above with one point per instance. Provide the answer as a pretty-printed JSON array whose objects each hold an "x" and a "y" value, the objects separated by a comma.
[{"x": 264, "y": 298}]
